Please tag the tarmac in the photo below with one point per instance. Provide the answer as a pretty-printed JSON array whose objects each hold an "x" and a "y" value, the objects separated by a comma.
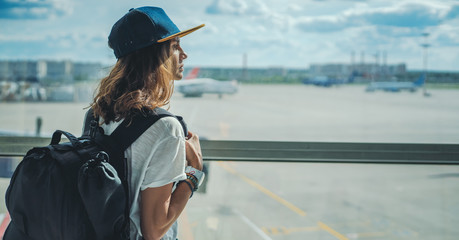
[{"x": 306, "y": 200}]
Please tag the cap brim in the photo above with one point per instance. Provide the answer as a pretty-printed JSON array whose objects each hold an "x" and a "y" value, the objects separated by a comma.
[{"x": 181, "y": 34}]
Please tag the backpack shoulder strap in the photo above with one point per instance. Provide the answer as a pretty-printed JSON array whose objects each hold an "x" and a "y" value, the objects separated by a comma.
[
  {"x": 125, "y": 134},
  {"x": 87, "y": 121}
]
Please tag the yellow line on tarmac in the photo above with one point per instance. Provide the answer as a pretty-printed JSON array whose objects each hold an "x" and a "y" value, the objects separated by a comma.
[
  {"x": 331, "y": 231},
  {"x": 286, "y": 231},
  {"x": 302, "y": 229},
  {"x": 265, "y": 230},
  {"x": 284, "y": 202},
  {"x": 264, "y": 190},
  {"x": 274, "y": 231}
]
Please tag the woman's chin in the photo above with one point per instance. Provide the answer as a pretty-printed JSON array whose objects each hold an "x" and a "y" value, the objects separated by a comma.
[{"x": 178, "y": 77}]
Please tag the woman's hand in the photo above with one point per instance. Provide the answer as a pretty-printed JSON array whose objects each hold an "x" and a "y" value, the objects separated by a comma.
[{"x": 193, "y": 151}]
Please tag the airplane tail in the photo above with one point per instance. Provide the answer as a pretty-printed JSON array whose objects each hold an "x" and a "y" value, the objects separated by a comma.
[
  {"x": 193, "y": 74},
  {"x": 421, "y": 80}
]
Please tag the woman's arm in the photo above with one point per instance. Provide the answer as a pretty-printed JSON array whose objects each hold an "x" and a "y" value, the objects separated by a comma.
[{"x": 159, "y": 208}]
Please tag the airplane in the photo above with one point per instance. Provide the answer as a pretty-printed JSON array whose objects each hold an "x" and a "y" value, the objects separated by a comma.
[
  {"x": 192, "y": 86},
  {"x": 325, "y": 81},
  {"x": 34, "y": 92},
  {"x": 8, "y": 91},
  {"x": 393, "y": 86}
]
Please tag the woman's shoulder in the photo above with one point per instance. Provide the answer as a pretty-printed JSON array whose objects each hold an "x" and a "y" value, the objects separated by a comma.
[
  {"x": 166, "y": 127},
  {"x": 166, "y": 130},
  {"x": 171, "y": 125}
]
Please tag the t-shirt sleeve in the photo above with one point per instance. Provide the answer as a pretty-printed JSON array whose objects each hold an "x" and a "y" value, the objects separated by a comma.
[{"x": 166, "y": 162}]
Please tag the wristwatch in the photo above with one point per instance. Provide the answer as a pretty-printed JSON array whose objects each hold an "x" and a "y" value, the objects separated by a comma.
[{"x": 199, "y": 175}]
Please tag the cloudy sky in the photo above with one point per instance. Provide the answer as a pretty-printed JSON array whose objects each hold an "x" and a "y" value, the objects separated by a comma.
[{"x": 287, "y": 33}]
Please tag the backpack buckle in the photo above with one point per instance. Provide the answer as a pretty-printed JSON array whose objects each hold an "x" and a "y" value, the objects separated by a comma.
[
  {"x": 93, "y": 128},
  {"x": 102, "y": 156}
]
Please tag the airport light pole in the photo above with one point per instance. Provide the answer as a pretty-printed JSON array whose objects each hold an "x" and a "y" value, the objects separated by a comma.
[{"x": 425, "y": 47}]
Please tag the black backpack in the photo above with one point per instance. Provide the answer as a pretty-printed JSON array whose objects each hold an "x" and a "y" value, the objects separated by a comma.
[{"x": 76, "y": 190}]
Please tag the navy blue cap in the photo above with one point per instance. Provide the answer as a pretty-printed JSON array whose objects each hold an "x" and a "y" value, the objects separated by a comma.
[{"x": 142, "y": 27}]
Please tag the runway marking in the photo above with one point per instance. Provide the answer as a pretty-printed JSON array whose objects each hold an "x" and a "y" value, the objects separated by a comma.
[
  {"x": 262, "y": 234},
  {"x": 264, "y": 190},
  {"x": 331, "y": 231},
  {"x": 366, "y": 235},
  {"x": 321, "y": 225},
  {"x": 286, "y": 231}
]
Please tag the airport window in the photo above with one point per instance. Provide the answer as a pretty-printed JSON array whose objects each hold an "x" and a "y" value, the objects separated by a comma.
[
  {"x": 360, "y": 71},
  {"x": 277, "y": 71}
]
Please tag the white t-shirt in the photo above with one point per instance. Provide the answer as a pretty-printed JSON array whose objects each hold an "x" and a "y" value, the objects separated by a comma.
[{"x": 155, "y": 159}]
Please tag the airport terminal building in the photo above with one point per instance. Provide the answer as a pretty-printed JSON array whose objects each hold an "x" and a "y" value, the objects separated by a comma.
[{"x": 48, "y": 71}]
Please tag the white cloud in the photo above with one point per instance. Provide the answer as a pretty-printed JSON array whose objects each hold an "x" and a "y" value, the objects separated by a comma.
[
  {"x": 403, "y": 14},
  {"x": 323, "y": 23},
  {"x": 34, "y": 9},
  {"x": 39, "y": 11},
  {"x": 20, "y": 38},
  {"x": 233, "y": 7},
  {"x": 317, "y": 36},
  {"x": 292, "y": 33},
  {"x": 292, "y": 7}
]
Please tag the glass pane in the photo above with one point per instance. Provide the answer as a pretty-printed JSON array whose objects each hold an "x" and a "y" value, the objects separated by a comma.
[
  {"x": 326, "y": 201},
  {"x": 334, "y": 71},
  {"x": 267, "y": 70}
]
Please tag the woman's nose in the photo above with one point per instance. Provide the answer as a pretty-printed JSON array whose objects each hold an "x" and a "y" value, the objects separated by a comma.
[{"x": 184, "y": 55}]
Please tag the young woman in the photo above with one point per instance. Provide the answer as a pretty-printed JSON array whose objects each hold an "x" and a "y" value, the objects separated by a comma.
[{"x": 147, "y": 45}]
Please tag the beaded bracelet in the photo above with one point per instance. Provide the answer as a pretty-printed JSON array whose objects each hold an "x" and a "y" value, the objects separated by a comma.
[
  {"x": 193, "y": 180},
  {"x": 193, "y": 176}
]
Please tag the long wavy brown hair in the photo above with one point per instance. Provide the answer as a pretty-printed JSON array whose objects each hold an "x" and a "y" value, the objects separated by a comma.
[{"x": 138, "y": 83}]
